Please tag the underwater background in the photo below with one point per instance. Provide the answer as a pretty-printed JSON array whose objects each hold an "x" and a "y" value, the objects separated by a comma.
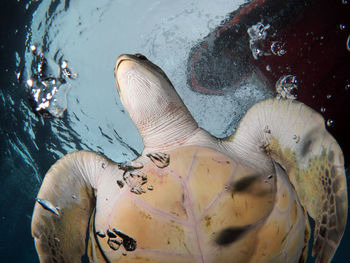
[{"x": 58, "y": 95}]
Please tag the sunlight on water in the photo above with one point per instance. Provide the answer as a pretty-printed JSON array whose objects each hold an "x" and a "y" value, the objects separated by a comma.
[{"x": 90, "y": 37}]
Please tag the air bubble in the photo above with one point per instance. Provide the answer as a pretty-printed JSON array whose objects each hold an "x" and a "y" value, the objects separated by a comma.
[
  {"x": 33, "y": 48},
  {"x": 64, "y": 64},
  {"x": 268, "y": 68},
  {"x": 348, "y": 43},
  {"x": 296, "y": 138},
  {"x": 30, "y": 83},
  {"x": 287, "y": 87},
  {"x": 342, "y": 27},
  {"x": 330, "y": 122},
  {"x": 347, "y": 86},
  {"x": 257, "y": 33},
  {"x": 258, "y": 52},
  {"x": 44, "y": 88},
  {"x": 323, "y": 109},
  {"x": 344, "y": 2},
  {"x": 277, "y": 48},
  {"x": 329, "y": 96}
]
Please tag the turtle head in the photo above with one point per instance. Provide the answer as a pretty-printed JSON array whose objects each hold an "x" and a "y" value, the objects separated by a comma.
[{"x": 152, "y": 102}]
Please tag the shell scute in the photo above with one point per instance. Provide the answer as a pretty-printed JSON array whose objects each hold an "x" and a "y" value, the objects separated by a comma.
[
  {"x": 208, "y": 178},
  {"x": 167, "y": 194}
]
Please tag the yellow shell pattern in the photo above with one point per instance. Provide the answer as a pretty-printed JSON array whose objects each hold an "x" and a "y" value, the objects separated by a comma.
[{"x": 203, "y": 207}]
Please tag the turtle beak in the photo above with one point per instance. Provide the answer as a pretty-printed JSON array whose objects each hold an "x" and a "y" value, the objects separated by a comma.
[
  {"x": 120, "y": 59},
  {"x": 119, "y": 72}
]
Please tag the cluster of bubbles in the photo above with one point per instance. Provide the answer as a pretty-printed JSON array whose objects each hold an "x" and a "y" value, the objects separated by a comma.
[
  {"x": 47, "y": 92},
  {"x": 287, "y": 87},
  {"x": 277, "y": 48},
  {"x": 257, "y": 34}
]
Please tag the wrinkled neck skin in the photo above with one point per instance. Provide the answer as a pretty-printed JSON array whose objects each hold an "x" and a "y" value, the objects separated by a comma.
[
  {"x": 168, "y": 130},
  {"x": 156, "y": 109},
  {"x": 174, "y": 130}
]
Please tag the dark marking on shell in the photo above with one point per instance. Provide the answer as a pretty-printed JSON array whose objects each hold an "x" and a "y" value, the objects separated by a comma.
[
  {"x": 324, "y": 220},
  {"x": 161, "y": 160},
  {"x": 305, "y": 147},
  {"x": 113, "y": 244},
  {"x": 323, "y": 231},
  {"x": 327, "y": 173},
  {"x": 244, "y": 183},
  {"x": 137, "y": 190},
  {"x": 111, "y": 234},
  {"x": 135, "y": 179},
  {"x": 100, "y": 234},
  {"x": 331, "y": 156},
  {"x": 333, "y": 173},
  {"x": 130, "y": 165},
  {"x": 129, "y": 243},
  {"x": 335, "y": 185},
  {"x": 120, "y": 183},
  {"x": 207, "y": 221},
  {"x": 230, "y": 235}
]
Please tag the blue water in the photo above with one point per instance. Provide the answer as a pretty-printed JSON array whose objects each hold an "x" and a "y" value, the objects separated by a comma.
[{"x": 89, "y": 35}]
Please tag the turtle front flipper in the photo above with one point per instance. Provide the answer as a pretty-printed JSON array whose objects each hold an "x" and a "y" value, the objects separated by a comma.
[
  {"x": 65, "y": 203},
  {"x": 294, "y": 135}
]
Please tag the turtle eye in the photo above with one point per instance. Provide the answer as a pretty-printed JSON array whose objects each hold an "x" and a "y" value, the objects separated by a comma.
[{"x": 140, "y": 56}]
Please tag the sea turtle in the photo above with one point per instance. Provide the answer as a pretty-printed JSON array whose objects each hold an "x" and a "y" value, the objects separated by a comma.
[{"x": 191, "y": 197}]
